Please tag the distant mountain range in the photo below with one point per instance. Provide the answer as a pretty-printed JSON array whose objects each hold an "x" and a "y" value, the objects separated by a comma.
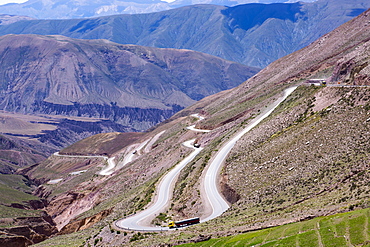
[
  {"x": 252, "y": 34},
  {"x": 67, "y": 9}
]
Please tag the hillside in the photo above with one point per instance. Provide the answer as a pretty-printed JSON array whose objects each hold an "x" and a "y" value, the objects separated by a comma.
[
  {"x": 309, "y": 158},
  {"x": 241, "y": 33},
  {"x": 102, "y": 144},
  {"x": 16, "y": 153}
]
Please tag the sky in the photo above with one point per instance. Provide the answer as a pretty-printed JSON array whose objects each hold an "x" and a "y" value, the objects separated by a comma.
[{"x": 11, "y": 1}]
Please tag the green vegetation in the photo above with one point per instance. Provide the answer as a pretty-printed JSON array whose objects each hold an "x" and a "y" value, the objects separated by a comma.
[
  {"x": 139, "y": 235},
  {"x": 10, "y": 195},
  {"x": 17, "y": 182},
  {"x": 346, "y": 229},
  {"x": 10, "y": 212},
  {"x": 11, "y": 191},
  {"x": 76, "y": 239},
  {"x": 162, "y": 217}
]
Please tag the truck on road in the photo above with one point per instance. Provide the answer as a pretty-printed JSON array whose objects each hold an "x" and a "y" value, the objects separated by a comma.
[{"x": 182, "y": 223}]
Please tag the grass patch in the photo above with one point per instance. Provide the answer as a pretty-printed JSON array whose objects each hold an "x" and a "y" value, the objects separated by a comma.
[
  {"x": 17, "y": 182},
  {"x": 9, "y": 212},
  {"x": 328, "y": 230},
  {"x": 74, "y": 239},
  {"x": 10, "y": 195}
]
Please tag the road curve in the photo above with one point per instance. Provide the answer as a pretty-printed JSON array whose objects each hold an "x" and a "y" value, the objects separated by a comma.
[
  {"x": 215, "y": 199},
  {"x": 192, "y": 127},
  {"x": 79, "y": 156},
  {"x": 109, "y": 169},
  {"x": 135, "y": 222}
]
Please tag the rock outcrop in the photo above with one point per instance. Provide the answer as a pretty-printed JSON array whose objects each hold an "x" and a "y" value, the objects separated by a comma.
[
  {"x": 78, "y": 225},
  {"x": 28, "y": 230}
]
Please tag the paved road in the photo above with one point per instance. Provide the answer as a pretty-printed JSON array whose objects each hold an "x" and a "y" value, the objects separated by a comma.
[
  {"x": 104, "y": 172},
  {"x": 136, "y": 222},
  {"x": 80, "y": 156},
  {"x": 215, "y": 199},
  {"x": 193, "y": 126},
  {"x": 219, "y": 205},
  {"x": 110, "y": 167}
]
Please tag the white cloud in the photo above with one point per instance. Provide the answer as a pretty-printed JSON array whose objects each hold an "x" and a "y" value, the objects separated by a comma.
[{"x": 2, "y": 2}]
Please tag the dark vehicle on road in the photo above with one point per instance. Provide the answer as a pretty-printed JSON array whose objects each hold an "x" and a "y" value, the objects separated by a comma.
[{"x": 182, "y": 223}]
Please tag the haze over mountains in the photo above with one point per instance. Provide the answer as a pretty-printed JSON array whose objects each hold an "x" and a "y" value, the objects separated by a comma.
[
  {"x": 252, "y": 34},
  {"x": 67, "y": 9}
]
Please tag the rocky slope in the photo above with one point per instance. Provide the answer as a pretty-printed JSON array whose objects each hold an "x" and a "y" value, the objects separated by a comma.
[
  {"x": 241, "y": 33},
  {"x": 23, "y": 220},
  {"x": 309, "y": 158}
]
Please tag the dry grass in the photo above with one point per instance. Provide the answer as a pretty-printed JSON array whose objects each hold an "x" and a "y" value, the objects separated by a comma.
[{"x": 102, "y": 144}]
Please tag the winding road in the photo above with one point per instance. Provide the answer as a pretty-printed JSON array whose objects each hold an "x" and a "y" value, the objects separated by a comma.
[
  {"x": 141, "y": 220},
  {"x": 135, "y": 222},
  {"x": 112, "y": 166}
]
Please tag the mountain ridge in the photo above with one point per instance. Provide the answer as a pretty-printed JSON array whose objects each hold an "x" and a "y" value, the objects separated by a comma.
[
  {"x": 61, "y": 9},
  {"x": 212, "y": 29}
]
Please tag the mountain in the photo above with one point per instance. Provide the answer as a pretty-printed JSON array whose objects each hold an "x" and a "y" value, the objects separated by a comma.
[
  {"x": 252, "y": 34},
  {"x": 308, "y": 158},
  {"x": 99, "y": 86},
  {"x": 67, "y": 9}
]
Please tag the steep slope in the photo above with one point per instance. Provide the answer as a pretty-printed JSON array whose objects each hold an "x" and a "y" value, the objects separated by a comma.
[
  {"x": 241, "y": 33},
  {"x": 23, "y": 222},
  {"x": 309, "y": 158},
  {"x": 130, "y": 85}
]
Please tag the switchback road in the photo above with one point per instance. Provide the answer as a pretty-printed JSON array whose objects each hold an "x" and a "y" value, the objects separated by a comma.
[
  {"x": 215, "y": 199},
  {"x": 140, "y": 221}
]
